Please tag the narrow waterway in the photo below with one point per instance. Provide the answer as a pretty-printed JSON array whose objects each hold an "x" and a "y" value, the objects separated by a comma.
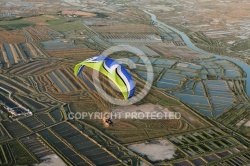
[{"x": 188, "y": 42}]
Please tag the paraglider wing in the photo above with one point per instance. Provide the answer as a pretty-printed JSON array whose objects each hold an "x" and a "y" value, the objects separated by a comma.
[{"x": 113, "y": 70}]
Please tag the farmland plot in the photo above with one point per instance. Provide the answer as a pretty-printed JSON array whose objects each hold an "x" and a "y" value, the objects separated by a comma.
[
  {"x": 60, "y": 45},
  {"x": 57, "y": 115},
  {"x": 12, "y": 37},
  {"x": 231, "y": 70},
  {"x": 7, "y": 101},
  {"x": 36, "y": 146},
  {"x": 148, "y": 51},
  {"x": 15, "y": 128},
  {"x": 3, "y": 134},
  {"x": 113, "y": 147},
  {"x": 46, "y": 119},
  {"x": 5, "y": 155},
  {"x": 136, "y": 38},
  {"x": 125, "y": 28},
  {"x": 220, "y": 95},
  {"x": 193, "y": 94},
  {"x": 181, "y": 79},
  {"x": 84, "y": 145},
  {"x": 15, "y": 53},
  {"x": 17, "y": 85},
  {"x": 21, "y": 155},
  {"x": 214, "y": 140},
  {"x": 62, "y": 148},
  {"x": 61, "y": 81},
  {"x": 40, "y": 33},
  {"x": 77, "y": 54},
  {"x": 32, "y": 122},
  {"x": 182, "y": 52},
  {"x": 33, "y": 105}
]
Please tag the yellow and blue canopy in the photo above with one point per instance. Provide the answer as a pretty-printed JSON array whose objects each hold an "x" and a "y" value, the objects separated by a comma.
[{"x": 113, "y": 70}]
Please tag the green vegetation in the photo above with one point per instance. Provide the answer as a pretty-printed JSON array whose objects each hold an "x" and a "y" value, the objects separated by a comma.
[
  {"x": 236, "y": 118},
  {"x": 65, "y": 24},
  {"x": 92, "y": 45},
  {"x": 241, "y": 46},
  {"x": 22, "y": 156},
  {"x": 15, "y": 24},
  {"x": 60, "y": 24},
  {"x": 3, "y": 156},
  {"x": 101, "y": 15},
  {"x": 59, "y": 21},
  {"x": 121, "y": 54},
  {"x": 208, "y": 44},
  {"x": 79, "y": 42}
]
